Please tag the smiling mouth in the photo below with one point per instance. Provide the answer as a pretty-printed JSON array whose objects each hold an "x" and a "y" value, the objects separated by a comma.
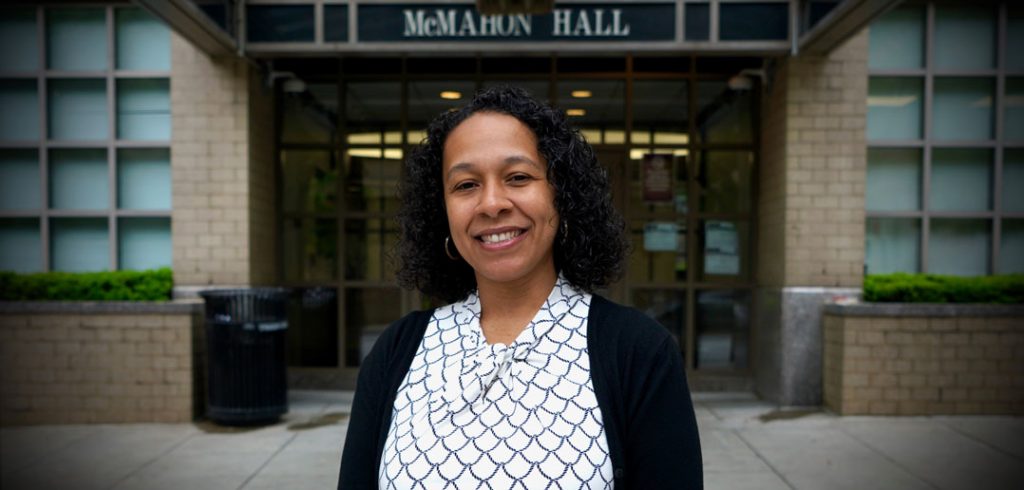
[{"x": 500, "y": 237}]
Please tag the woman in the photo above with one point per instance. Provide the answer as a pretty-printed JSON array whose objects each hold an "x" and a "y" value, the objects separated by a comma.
[{"x": 526, "y": 379}]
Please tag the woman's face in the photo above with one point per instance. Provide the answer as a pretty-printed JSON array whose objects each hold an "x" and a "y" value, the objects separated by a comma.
[{"x": 501, "y": 207}]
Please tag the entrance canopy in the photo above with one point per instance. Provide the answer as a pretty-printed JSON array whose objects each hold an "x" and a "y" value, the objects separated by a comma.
[{"x": 275, "y": 28}]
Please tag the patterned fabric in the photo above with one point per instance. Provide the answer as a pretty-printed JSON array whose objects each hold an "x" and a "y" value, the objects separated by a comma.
[{"x": 474, "y": 415}]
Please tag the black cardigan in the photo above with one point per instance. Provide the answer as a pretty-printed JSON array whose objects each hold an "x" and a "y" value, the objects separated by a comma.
[{"x": 639, "y": 381}]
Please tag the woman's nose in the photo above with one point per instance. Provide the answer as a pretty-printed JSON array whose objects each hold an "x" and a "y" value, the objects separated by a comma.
[{"x": 493, "y": 200}]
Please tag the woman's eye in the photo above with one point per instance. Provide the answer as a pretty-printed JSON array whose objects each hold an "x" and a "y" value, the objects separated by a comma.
[
  {"x": 519, "y": 178},
  {"x": 461, "y": 186}
]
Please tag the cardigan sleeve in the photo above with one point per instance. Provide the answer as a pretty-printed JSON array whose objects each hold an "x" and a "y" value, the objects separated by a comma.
[
  {"x": 361, "y": 453},
  {"x": 661, "y": 444}
]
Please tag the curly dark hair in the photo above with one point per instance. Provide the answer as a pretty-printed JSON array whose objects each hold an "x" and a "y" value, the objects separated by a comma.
[{"x": 589, "y": 256}]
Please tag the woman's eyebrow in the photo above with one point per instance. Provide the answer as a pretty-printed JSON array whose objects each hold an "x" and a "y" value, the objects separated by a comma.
[{"x": 509, "y": 160}]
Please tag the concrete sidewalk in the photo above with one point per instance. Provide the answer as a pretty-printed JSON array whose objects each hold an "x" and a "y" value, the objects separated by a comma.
[{"x": 747, "y": 444}]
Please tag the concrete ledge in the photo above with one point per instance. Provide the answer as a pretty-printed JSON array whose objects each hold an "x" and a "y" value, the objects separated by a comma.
[
  {"x": 925, "y": 310},
  {"x": 179, "y": 307}
]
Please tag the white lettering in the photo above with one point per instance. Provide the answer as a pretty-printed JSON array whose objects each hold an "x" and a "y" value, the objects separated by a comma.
[
  {"x": 505, "y": 26},
  {"x": 446, "y": 21},
  {"x": 487, "y": 25},
  {"x": 561, "y": 22},
  {"x": 582, "y": 25},
  {"x": 600, "y": 29},
  {"x": 524, "y": 24},
  {"x": 430, "y": 26},
  {"x": 619, "y": 29},
  {"x": 413, "y": 23},
  {"x": 468, "y": 26}
]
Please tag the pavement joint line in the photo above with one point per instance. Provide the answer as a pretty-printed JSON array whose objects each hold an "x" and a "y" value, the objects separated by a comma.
[
  {"x": 888, "y": 458},
  {"x": 64, "y": 447},
  {"x": 154, "y": 459},
  {"x": 762, "y": 458},
  {"x": 981, "y": 441},
  {"x": 265, "y": 463}
]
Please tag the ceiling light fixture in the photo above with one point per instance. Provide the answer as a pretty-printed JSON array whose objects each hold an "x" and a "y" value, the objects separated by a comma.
[
  {"x": 576, "y": 112},
  {"x": 582, "y": 94},
  {"x": 451, "y": 95}
]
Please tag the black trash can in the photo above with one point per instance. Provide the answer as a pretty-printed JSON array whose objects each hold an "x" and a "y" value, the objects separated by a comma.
[{"x": 245, "y": 353}]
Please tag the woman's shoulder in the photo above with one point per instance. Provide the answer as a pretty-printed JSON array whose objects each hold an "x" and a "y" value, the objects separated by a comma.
[{"x": 615, "y": 326}]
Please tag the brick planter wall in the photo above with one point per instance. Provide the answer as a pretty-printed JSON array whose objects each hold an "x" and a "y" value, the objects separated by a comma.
[
  {"x": 887, "y": 359},
  {"x": 100, "y": 362}
]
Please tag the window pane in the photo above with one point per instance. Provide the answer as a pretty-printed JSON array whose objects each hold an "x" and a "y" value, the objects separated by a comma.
[
  {"x": 723, "y": 114},
  {"x": 753, "y": 21},
  {"x": 21, "y": 250},
  {"x": 959, "y": 247},
  {"x": 78, "y": 179},
  {"x": 365, "y": 320},
  {"x": 1015, "y": 37},
  {"x": 144, "y": 110},
  {"x": 963, "y": 109},
  {"x": 659, "y": 251},
  {"x": 373, "y": 108},
  {"x": 336, "y": 23},
  {"x": 19, "y": 40},
  {"x": 78, "y": 110},
  {"x": 19, "y": 179},
  {"x": 652, "y": 192},
  {"x": 723, "y": 329},
  {"x": 310, "y": 116},
  {"x": 368, "y": 248},
  {"x": 79, "y": 244},
  {"x": 964, "y": 37},
  {"x": 76, "y": 39},
  {"x": 279, "y": 23},
  {"x": 310, "y": 249},
  {"x": 1013, "y": 110},
  {"x": 310, "y": 180},
  {"x": 604, "y": 108},
  {"x": 961, "y": 180},
  {"x": 144, "y": 243},
  {"x": 371, "y": 183},
  {"x": 893, "y": 245},
  {"x": 894, "y": 108},
  {"x": 897, "y": 39},
  {"x": 1011, "y": 247},
  {"x": 726, "y": 250},
  {"x": 698, "y": 22},
  {"x": 894, "y": 179},
  {"x": 312, "y": 337},
  {"x": 144, "y": 179},
  {"x": 143, "y": 41},
  {"x": 725, "y": 181},
  {"x": 19, "y": 119},
  {"x": 667, "y": 307},
  {"x": 661, "y": 106},
  {"x": 426, "y": 102},
  {"x": 1013, "y": 181}
]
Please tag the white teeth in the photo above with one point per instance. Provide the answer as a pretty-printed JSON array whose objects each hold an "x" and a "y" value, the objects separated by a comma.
[{"x": 500, "y": 237}]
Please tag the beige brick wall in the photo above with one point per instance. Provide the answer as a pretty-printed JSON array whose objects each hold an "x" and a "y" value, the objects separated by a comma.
[
  {"x": 924, "y": 365},
  {"x": 58, "y": 368},
  {"x": 221, "y": 170},
  {"x": 811, "y": 212}
]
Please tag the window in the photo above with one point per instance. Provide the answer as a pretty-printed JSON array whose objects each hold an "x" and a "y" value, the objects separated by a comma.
[
  {"x": 943, "y": 194},
  {"x": 90, "y": 188}
]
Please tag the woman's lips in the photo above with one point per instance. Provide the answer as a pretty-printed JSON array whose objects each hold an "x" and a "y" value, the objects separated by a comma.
[{"x": 500, "y": 238}]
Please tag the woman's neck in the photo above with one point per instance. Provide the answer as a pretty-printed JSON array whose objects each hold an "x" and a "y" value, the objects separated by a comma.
[{"x": 507, "y": 308}]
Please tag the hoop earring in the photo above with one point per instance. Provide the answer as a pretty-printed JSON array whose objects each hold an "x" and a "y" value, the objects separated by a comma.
[
  {"x": 565, "y": 230},
  {"x": 446, "y": 251}
]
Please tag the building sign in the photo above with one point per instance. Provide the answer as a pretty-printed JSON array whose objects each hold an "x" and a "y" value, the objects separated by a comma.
[
  {"x": 657, "y": 177},
  {"x": 567, "y": 22}
]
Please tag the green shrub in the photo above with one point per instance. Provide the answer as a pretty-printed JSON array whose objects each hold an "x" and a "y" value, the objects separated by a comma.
[
  {"x": 151, "y": 285},
  {"x": 928, "y": 288}
]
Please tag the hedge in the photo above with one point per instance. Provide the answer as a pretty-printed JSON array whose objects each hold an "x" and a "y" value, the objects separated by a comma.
[
  {"x": 150, "y": 285},
  {"x": 928, "y": 288}
]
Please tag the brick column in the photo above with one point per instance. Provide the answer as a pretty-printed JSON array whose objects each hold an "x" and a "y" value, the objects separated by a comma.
[
  {"x": 810, "y": 213},
  {"x": 222, "y": 223}
]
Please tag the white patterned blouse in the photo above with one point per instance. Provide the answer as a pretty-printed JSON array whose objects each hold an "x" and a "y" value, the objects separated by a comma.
[{"x": 475, "y": 415}]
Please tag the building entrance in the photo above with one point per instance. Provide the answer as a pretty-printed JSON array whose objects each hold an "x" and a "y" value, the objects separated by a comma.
[{"x": 677, "y": 138}]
